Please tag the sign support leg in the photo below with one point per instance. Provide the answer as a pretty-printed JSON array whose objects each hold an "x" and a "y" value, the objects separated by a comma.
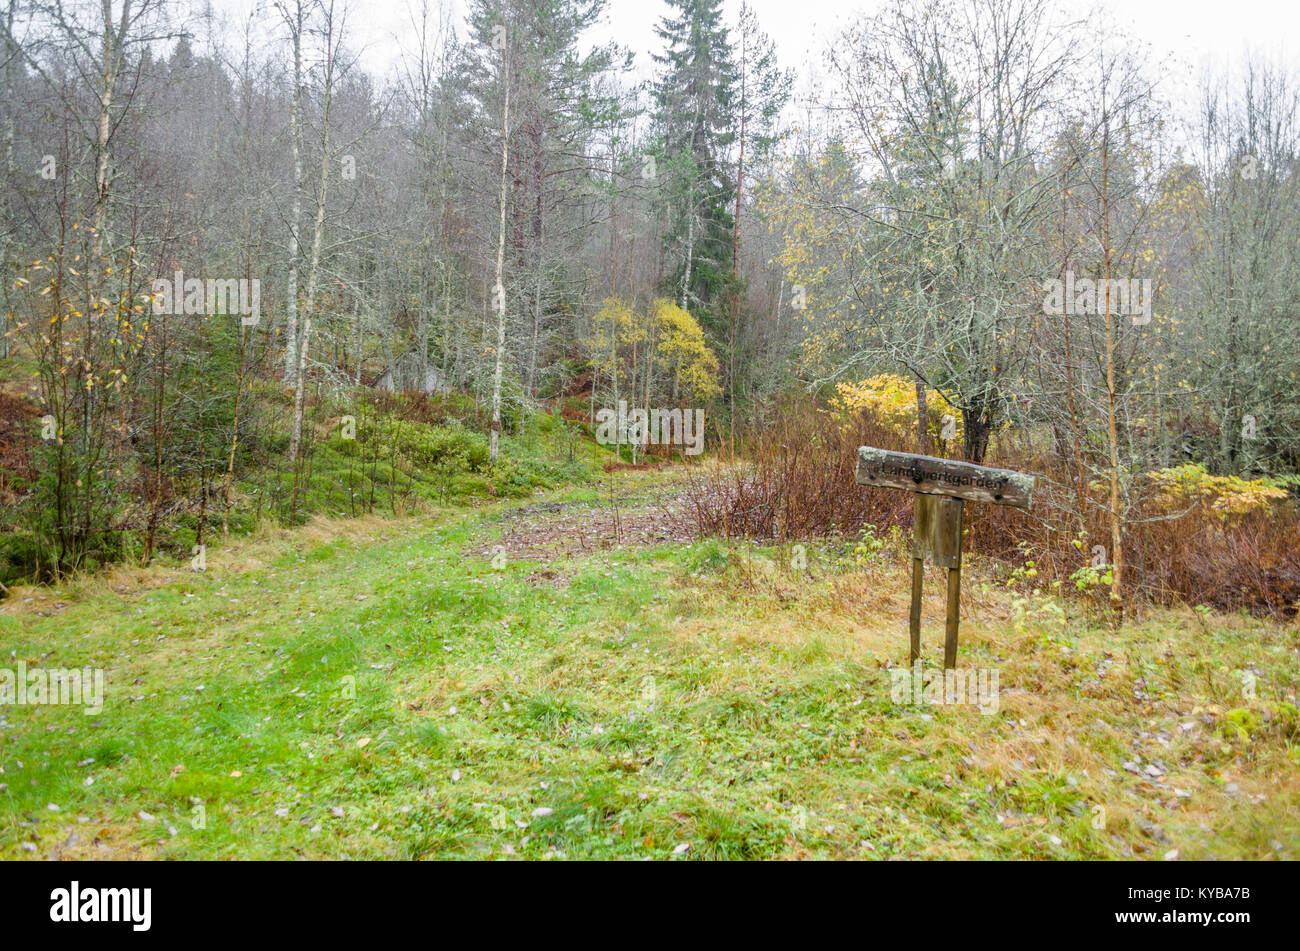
[
  {"x": 953, "y": 617},
  {"x": 914, "y": 620}
]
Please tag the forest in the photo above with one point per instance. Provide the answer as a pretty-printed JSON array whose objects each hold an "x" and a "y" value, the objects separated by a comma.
[{"x": 529, "y": 335}]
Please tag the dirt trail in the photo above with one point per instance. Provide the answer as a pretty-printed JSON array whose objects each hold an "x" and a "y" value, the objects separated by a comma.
[{"x": 558, "y": 532}]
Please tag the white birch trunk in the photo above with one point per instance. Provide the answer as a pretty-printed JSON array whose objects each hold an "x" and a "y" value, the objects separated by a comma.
[{"x": 498, "y": 293}]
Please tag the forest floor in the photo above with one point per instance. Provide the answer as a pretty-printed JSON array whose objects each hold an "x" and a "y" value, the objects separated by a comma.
[{"x": 576, "y": 676}]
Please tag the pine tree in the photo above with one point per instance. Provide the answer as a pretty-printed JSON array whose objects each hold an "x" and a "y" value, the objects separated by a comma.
[
  {"x": 694, "y": 125},
  {"x": 764, "y": 89}
]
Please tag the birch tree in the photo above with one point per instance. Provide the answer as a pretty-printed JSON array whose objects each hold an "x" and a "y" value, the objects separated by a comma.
[
  {"x": 333, "y": 18},
  {"x": 498, "y": 287},
  {"x": 295, "y": 17},
  {"x": 10, "y": 63}
]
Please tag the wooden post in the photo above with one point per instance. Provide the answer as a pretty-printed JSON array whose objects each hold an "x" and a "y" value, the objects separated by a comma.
[
  {"x": 950, "y": 628},
  {"x": 914, "y": 621},
  {"x": 936, "y": 538}
]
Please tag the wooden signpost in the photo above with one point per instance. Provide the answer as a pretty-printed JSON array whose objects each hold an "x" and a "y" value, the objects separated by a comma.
[{"x": 941, "y": 487}]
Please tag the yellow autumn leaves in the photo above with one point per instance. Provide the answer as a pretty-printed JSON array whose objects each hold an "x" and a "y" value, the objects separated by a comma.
[
  {"x": 1190, "y": 485},
  {"x": 892, "y": 400},
  {"x": 668, "y": 338}
]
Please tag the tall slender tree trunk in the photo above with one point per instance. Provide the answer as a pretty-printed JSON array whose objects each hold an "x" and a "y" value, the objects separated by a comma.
[
  {"x": 1069, "y": 376},
  {"x": 234, "y": 425},
  {"x": 740, "y": 174},
  {"x": 295, "y": 214},
  {"x": 9, "y": 52},
  {"x": 450, "y": 334},
  {"x": 318, "y": 229},
  {"x": 356, "y": 341},
  {"x": 499, "y": 291},
  {"x": 160, "y": 397},
  {"x": 538, "y": 244},
  {"x": 922, "y": 421},
  {"x": 1112, "y": 411},
  {"x": 111, "y": 50},
  {"x": 735, "y": 262},
  {"x": 690, "y": 245}
]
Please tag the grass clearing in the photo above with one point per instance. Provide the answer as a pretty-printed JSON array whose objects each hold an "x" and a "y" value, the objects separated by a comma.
[{"x": 375, "y": 688}]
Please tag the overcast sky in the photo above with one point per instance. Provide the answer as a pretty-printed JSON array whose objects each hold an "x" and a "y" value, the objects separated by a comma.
[
  {"x": 1192, "y": 30},
  {"x": 1190, "y": 35}
]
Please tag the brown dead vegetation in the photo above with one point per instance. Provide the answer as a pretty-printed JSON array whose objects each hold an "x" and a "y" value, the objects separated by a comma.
[{"x": 797, "y": 484}]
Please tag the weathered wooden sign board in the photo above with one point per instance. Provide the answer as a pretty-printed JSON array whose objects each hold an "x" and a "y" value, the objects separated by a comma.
[{"x": 941, "y": 487}]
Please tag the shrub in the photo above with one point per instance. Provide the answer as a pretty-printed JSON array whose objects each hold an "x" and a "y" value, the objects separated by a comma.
[
  {"x": 19, "y": 557},
  {"x": 1218, "y": 497},
  {"x": 415, "y": 445},
  {"x": 891, "y": 400},
  {"x": 1189, "y": 538}
]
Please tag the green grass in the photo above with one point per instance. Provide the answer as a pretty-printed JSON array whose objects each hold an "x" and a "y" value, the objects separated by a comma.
[{"x": 376, "y": 689}]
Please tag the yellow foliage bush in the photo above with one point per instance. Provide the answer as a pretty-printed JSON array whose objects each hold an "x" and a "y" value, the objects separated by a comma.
[
  {"x": 669, "y": 336},
  {"x": 892, "y": 399},
  {"x": 682, "y": 344},
  {"x": 1189, "y": 485}
]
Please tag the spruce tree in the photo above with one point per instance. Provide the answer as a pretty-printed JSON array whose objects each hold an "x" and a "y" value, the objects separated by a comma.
[{"x": 694, "y": 124}]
